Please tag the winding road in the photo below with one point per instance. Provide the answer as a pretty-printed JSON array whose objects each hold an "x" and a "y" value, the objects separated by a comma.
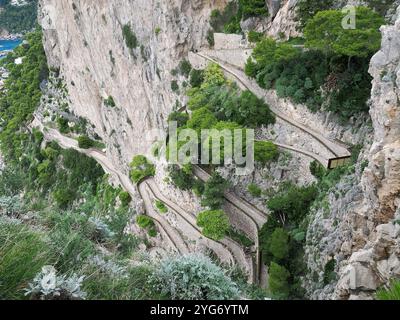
[
  {"x": 248, "y": 215},
  {"x": 336, "y": 149},
  {"x": 227, "y": 250},
  {"x": 176, "y": 242}
]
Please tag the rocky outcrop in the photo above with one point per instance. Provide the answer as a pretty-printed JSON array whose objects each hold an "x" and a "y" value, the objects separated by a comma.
[
  {"x": 284, "y": 24},
  {"x": 273, "y": 7},
  {"x": 361, "y": 231},
  {"x": 281, "y": 22}
]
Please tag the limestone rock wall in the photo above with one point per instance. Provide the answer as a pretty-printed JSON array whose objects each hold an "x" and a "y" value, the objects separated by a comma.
[
  {"x": 361, "y": 230},
  {"x": 84, "y": 39}
]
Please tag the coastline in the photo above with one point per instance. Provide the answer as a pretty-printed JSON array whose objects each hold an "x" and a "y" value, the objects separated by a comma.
[
  {"x": 11, "y": 37},
  {"x": 8, "y": 45}
]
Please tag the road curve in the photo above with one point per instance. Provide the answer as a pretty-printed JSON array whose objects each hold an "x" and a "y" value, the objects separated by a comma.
[
  {"x": 229, "y": 256},
  {"x": 223, "y": 248},
  {"x": 259, "y": 217},
  {"x": 254, "y": 216},
  {"x": 337, "y": 150},
  {"x": 170, "y": 234}
]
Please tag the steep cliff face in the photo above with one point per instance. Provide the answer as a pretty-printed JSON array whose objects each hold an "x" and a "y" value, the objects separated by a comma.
[
  {"x": 381, "y": 179},
  {"x": 84, "y": 39},
  {"x": 360, "y": 232},
  {"x": 281, "y": 21}
]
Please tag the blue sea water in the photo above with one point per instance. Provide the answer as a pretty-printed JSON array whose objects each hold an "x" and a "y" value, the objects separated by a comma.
[{"x": 9, "y": 45}]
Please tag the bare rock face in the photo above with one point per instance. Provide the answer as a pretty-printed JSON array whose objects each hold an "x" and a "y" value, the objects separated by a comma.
[
  {"x": 283, "y": 23},
  {"x": 273, "y": 7},
  {"x": 84, "y": 39}
]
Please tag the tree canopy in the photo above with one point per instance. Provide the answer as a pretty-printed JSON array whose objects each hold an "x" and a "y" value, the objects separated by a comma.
[
  {"x": 278, "y": 281},
  {"x": 215, "y": 224},
  {"x": 213, "y": 195},
  {"x": 325, "y": 32}
]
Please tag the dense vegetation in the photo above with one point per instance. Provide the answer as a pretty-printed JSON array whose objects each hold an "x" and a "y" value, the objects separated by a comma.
[
  {"x": 194, "y": 277},
  {"x": 307, "y": 9},
  {"x": 213, "y": 194},
  {"x": 227, "y": 102},
  {"x": 141, "y": 168},
  {"x": 215, "y": 224},
  {"x": 392, "y": 293},
  {"x": 17, "y": 106},
  {"x": 130, "y": 38},
  {"x": 49, "y": 184},
  {"x": 17, "y": 19},
  {"x": 282, "y": 239},
  {"x": 332, "y": 74},
  {"x": 217, "y": 104}
]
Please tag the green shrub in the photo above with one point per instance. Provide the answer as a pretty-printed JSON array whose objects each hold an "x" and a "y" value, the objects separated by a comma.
[
  {"x": 220, "y": 20},
  {"x": 174, "y": 86},
  {"x": 193, "y": 277},
  {"x": 210, "y": 38},
  {"x": 23, "y": 252},
  {"x": 201, "y": 119},
  {"x": 254, "y": 190},
  {"x": 229, "y": 19},
  {"x": 300, "y": 75},
  {"x": 130, "y": 37},
  {"x": 184, "y": 68},
  {"x": 64, "y": 197},
  {"x": 215, "y": 224},
  {"x": 214, "y": 190},
  {"x": 146, "y": 223},
  {"x": 125, "y": 198},
  {"x": 329, "y": 272},
  {"x": 307, "y": 9},
  {"x": 325, "y": 32},
  {"x": 317, "y": 170},
  {"x": 227, "y": 102},
  {"x": 265, "y": 151},
  {"x": 278, "y": 281},
  {"x": 198, "y": 187},
  {"x": 85, "y": 142},
  {"x": 196, "y": 78},
  {"x": 239, "y": 237},
  {"x": 161, "y": 207},
  {"x": 181, "y": 178},
  {"x": 141, "y": 168},
  {"x": 252, "y": 8},
  {"x": 109, "y": 102},
  {"x": 279, "y": 244},
  {"x": 282, "y": 238},
  {"x": 293, "y": 202},
  {"x": 23, "y": 95},
  {"x": 62, "y": 125},
  {"x": 254, "y": 36},
  {"x": 392, "y": 293},
  {"x": 180, "y": 117}
]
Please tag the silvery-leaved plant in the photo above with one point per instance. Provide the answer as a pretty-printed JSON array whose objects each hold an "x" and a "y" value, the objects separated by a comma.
[
  {"x": 108, "y": 266},
  {"x": 102, "y": 228},
  {"x": 10, "y": 205},
  {"x": 47, "y": 285}
]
